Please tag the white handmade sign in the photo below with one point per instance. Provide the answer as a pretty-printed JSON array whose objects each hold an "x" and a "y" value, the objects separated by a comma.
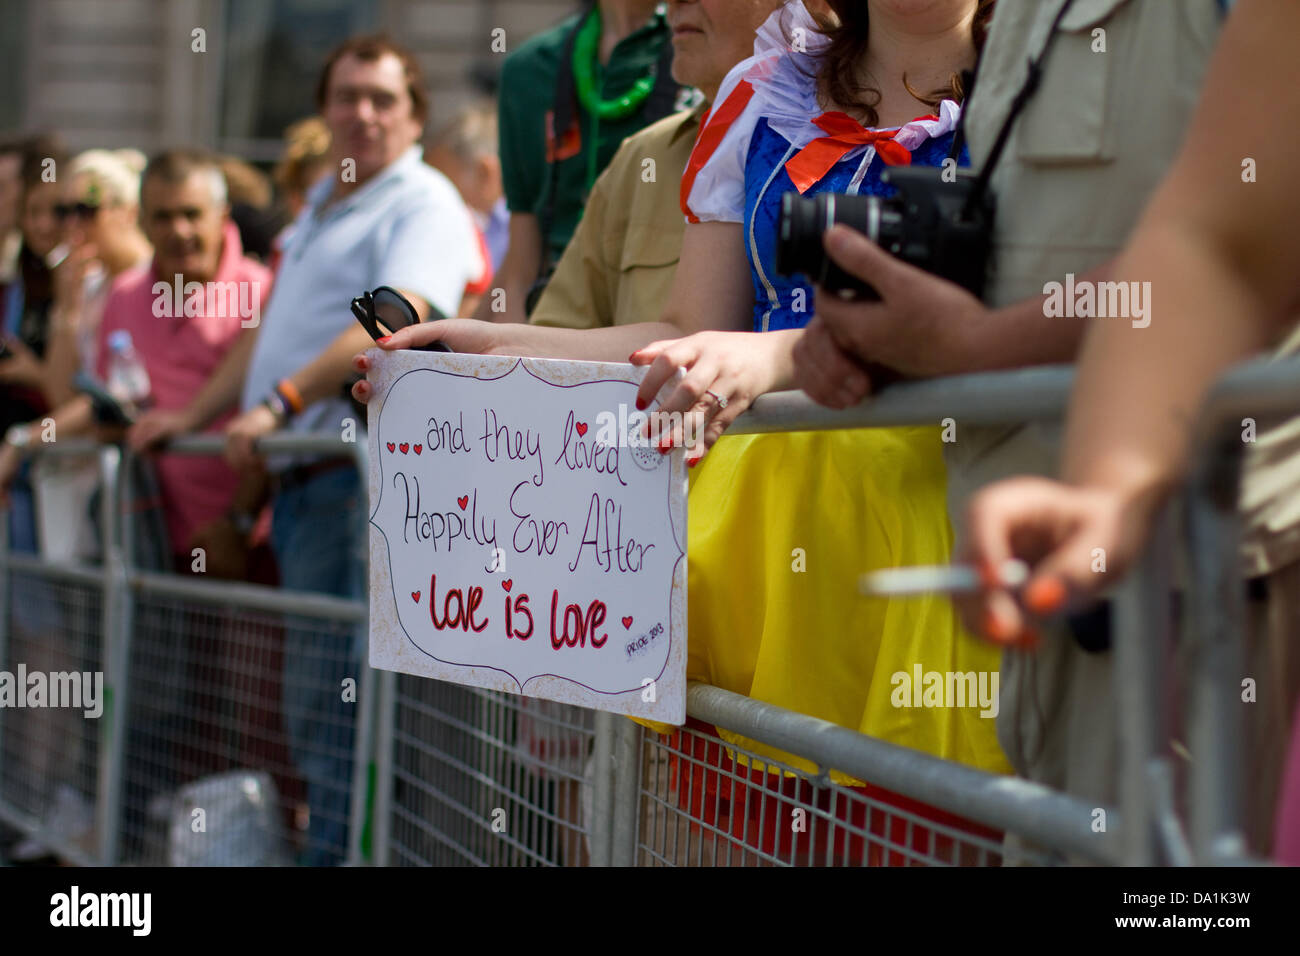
[{"x": 523, "y": 536}]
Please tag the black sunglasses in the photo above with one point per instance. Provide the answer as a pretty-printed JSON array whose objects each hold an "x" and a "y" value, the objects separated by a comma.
[
  {"x": 82, "y": 210},
  {"x": 385, "y": 311}
]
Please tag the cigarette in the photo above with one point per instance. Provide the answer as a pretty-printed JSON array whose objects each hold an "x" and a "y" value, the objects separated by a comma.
[
  {"x": 56, "y": 255},
  {"x": 938, "y": 579}
]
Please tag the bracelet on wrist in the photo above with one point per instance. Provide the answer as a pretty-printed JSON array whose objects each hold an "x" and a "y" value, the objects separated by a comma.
[
  {"x": 289, "y": 393},
  {"x": 277, "y": 407}
]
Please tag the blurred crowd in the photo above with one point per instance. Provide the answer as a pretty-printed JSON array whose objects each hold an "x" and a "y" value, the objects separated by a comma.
[{"x": 624, "y": 200}]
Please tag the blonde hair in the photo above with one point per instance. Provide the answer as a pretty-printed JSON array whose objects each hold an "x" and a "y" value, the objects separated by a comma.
[
  {"x": 115, "y": 173},
  {"x": 306, "y": 144},
  {"x": 245, "y": 184}
]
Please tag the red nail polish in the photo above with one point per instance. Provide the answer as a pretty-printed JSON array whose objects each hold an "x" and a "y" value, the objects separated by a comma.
[
  {"x": 1045, "y": 596},
  {"x": 692, "y": 462},
  {"x": 640, "y": 404},
  {"x": 383, "y": 338},
  {"x": 665, "y": 445},
  {"x": 997, "y": 629}
]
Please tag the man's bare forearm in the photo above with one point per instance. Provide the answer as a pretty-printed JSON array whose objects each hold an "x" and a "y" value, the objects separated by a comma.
[
  {"x": 505, "y": 301},
  {"x": 222, "y": 389},
  {"x": 1216, "y": 249},
  {"x": 72, "y": 419},
  {"x": 1022, "y": 335},
  {"x": 329, "y": 372}
]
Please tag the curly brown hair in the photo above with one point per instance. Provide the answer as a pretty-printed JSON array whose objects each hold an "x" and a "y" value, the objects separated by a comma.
[{"x": 837, "y": 66}]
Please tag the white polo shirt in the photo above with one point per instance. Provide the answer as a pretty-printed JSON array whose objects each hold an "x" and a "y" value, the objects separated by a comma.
[{"x": 406, "y": 228}]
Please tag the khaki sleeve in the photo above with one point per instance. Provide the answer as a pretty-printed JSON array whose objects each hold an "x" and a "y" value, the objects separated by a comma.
[{"x": 580, "y": 294}]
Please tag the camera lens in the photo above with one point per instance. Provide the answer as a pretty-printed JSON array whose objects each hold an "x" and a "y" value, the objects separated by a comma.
[
  {"x": 804, "y": 221},
  {"x": 798, "y": 245}
]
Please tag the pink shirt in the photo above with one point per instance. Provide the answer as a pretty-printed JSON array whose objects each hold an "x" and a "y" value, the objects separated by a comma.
[{"x": 180, "y": 353}]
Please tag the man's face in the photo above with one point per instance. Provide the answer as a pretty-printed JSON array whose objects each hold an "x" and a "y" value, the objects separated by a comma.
[
  {"x": 369, "y": 113},
  {"x": 184, "y": 224},
  {"x": 712, "y": 36},
  {"x": 10, "y": 191}
]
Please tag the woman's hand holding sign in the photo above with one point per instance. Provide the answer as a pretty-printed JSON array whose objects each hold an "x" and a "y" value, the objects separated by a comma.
[
  {"x": 721, "y": 375},
  {"x": 461, "y": 335}
]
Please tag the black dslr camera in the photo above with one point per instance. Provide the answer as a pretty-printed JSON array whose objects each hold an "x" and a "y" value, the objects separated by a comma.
[{"x": 941, "y": 227}]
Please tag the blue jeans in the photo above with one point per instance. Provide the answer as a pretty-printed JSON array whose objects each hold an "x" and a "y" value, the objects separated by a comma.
[
  {"x": 22, "y": 512},
  {"x": 318, "y": 535}
]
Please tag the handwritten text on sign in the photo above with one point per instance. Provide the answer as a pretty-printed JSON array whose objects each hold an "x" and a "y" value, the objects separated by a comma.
[{"x": 523, "y": 538}]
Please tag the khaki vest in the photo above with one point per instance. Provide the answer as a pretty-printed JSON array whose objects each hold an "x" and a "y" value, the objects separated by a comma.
[{"x": 1119, "y": 86}]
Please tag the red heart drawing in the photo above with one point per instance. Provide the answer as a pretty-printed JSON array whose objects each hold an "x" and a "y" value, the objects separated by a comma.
[
  {"x": 404, "y": 446},
  {"x": 582, "y": 428},
  {"x": 391, "y": 446},
  {"x": 508, "y": 583},
  {"x": 627, "y": 623},
  {"x": 415, "y": 596},
  {"x": 463, "y": 500},
  {"x": 417, "y": 449}
]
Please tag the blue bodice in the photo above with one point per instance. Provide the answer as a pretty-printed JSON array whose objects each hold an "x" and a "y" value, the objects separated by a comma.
[{"x": 784, "y": 302}]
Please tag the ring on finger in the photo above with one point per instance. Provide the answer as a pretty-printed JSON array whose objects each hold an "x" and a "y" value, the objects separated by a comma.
[{"x": 722, "y": 402}]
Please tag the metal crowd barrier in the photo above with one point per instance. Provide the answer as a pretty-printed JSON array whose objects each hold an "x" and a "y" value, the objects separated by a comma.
[
  {"x": 195, "y": 706},
  {"x": 444, "y": 774}
]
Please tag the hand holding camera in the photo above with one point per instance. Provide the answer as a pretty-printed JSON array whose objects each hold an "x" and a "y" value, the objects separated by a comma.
[{"x": 898, "y": 281}]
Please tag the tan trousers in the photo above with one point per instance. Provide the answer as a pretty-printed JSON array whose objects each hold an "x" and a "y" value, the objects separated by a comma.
[{"x": 1056, "y": 721}]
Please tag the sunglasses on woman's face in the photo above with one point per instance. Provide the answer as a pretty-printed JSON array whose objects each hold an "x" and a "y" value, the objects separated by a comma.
[
  {"x": 385, "y": 311},
  {"x": 85, "y": 211}
]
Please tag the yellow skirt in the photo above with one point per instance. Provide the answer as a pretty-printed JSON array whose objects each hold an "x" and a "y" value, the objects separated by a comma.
[{"x": 780, "y": 528}]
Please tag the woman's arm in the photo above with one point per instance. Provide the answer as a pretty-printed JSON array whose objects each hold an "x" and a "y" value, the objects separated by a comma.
[
  {"x": 518, "y": 271},
  {"x": 1218, "y": 245},
  {"x": 711, "y": 290},
  {"x": 1219, "y": 248},
  {"x": 70, "y": 310}
]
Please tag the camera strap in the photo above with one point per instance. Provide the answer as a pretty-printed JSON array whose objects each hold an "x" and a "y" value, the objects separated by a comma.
[
  {"x": 1022, "y": 98},
  {"x": 562, "y": 117},
  {"x": 567, "y": 111},
  {"x": 959, "y": 137}
]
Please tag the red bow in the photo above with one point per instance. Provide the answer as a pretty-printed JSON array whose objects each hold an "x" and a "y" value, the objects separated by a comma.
[{"x": 844, "y": 134}]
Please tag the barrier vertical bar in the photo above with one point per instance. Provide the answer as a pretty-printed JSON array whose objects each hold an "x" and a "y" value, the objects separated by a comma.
[
  {"x": 363, "y": 751},
  {"x": 115, "y": 640},
  {"x": 1214, "y": 707},
  {"x": 5, "y": 576},
  {"x": 363, "y": 741},
  {"x": 599, "y": 827},
  {"x": 627, "y": 792},
  {"x": 1141, "y": 637},
  {"x": 383, "y": 813}
]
